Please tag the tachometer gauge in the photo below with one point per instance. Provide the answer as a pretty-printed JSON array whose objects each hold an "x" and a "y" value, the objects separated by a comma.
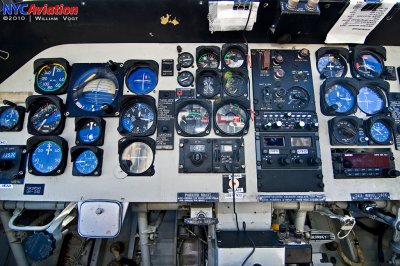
[
  {"x": 208, "y": 56},
  {"x": 344, "y": 130},
  {"x": 90, "y": 130},
  {"x": 51, "y": 75},
  {"x": 235, "y": 84},
  {"x": 371, "y": 100},
  {"x": 338, "y": 96},
  {"x": 193, "y": 118},
  {"x": 208, "y": 83},
  {"x": 185, "y": 78},
  {"x": 368, "y": 61},
  {"x": 379, "y": 129},
  {"x": 11, "y": 117},
  {"x": 87, "y": 161},
  {"x": 138, "y": 116},
  {"x": 46, "y": 115},
  {"x": 297, "y": 98},
  {"x": 231, "y": 119},
  {"x": 185, "y": 59},
  {"x": 136, "y": 156},
  {"x": 47, "y": 155},
  {"x": 234, "y": 58}
]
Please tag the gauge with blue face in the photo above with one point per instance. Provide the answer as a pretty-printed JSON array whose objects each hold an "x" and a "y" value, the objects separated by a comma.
[
  {"x": 330, "y": 65},
  {"x": 86, "y": 162},
  {"x": 380, "y": 132},
  {"x": 46, "y": 118},
  {"x": 51, "y": 77},
  {"x": 368, "y": 65},
  {"x": 138, "y": 119},
  {"x": 46, "y": 157},
  {"x": 340, "y": 97},
  {"x": 9, "y": 118},
  {"x": 370, "y": 101},
  {"x": 141, "y": 80},
  {"x": 90, "y": 132}
]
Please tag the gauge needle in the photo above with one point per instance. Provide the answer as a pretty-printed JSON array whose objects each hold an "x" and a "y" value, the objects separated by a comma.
[
  {"x": 346, "y": 99},
  {"x": 54, "y": 69},
  {"x": 188, "y": 59},
  {"x": 42, "y": 124},
  {"x": 377, "y": 130},
  {"x": 184, "y": 79}
]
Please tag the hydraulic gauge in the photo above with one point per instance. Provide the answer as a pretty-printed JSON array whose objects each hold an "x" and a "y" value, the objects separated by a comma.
[
  {"x": 47, "y": 155},
  {"x": 185, "y": 59},
  {"x": 372, "y": 96},
  {"x": 338, "y": 96},
  {"x": 379, "y": 129},
  {"x": 208, "y": 83},
  {"x": 46, "y": 115},
  {"x": 51, "y": 75},
  {"x": 332, "y": 62},
  {"x": 297, "y": 98},
  {"x": 368, "y": 61},
  {"x": 231, "y": 118},
  {"x": 344, "y": 130},
  {"x": 95, "y": 89},
  {"x": 185, "y": 78},
  {"x": 87, "y": 161},
  {"x": 90, "y": 130},
  {"x": 208, "y": 56},
  {"x": 138, "y": 116},
  {"x": 193, "y": 117},
  {"x": 235, "y": 84},
  {"x": 136, "y": 156},
  {"x": 11, "y": 117}
]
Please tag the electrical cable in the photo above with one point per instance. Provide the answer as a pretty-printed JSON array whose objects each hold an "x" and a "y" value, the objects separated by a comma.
[
  {"x": 252, "y": 242},
  {"x": 247, "y": 22}
]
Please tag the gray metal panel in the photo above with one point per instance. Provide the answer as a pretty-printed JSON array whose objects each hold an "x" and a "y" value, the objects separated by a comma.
[{"x": 236, "y": 256}]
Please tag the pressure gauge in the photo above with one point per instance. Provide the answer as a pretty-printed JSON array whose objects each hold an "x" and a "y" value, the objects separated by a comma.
[
  {"x": 90, "y": 130},
  {"x": 11, "y": 117},
  {"x": 51, "y": 75},
  {"x": 185, "y": 78},
  {"x": 87, "y": 160},
  {"x": 47, "y": 155}
]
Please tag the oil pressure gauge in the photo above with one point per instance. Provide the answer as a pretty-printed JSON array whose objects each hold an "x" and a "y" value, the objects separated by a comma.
[
  {"x": 87, "y": 161},
  {"x": 136, "y": 156},
  {"x": 90, "y": 130},
  {"x": 51, "y": 75}
]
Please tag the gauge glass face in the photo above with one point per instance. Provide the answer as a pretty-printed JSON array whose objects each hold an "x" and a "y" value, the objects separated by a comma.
[
  {"x": 9, "y": 118},
  {"x": 46, "y": 118},
  {"x": 86, "y": 162},
  {"x": 185, "y": 78},
  {"x": 298, "y": 98},
  {"x": 186, "y": 60},
  {"x": 345, "y": 132},
  {"x": 95, "y": 89},
  {"x": 370, "y": 101},
  {"x": 235, "y": 85},
  {"x": 234, "y": 58},
  {"x": 380, "y": 132},
  {"x": 330, "y": 66},
  {"x": 89, "y": 132},
  {"x": 208, "y": 60},
  {"x": 231, "y": 119},
  {"x": 208, "y": 85},
  {"x": 193, "y": 119},
  {"x": 142, "y": 80},
  {"x": 137, "y": 158},
  {"x": 368, "y": 66},
  {"x": 340, "y": 96},
  {"x": 51, "y": 77},
  {"x": 138, "y": 118},
  {"x": 46, "y": 157}
]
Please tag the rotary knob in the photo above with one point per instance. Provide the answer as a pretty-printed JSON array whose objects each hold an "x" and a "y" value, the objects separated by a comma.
[
  {"x": 278, "y": 124},
  {"x": 314, "y": 161},
  {"x": 268, "y": 125},
  {"x": 278, "y": 59},
  {"x": 284, "y": 161},
  {"x": 301, "y": 124}
]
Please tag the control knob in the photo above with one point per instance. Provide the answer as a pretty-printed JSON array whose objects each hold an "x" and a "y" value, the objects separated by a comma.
[
  {"x": 284, "y": 161},
  {"x": 314, "y": 161}
]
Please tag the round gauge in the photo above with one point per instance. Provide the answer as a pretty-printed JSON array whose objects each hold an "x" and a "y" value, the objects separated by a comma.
[
  {"x": 370, "y": 100},
  {"x": 340, "y": 97},
  {"x": 46, "y": 157},
  {"x": 141, "y": 80},
  {"x": 208, "y": 84},
  {"x": 208, "y": 59},
  {"x": 137, "y": 158},
  {"x": 9, "y": 118},
  {"x": 89, "y": 132},
  {"x": 193, "y": 119},
  {"x": 95, "y": 89},
  {"x": 231, "y": 119},
  {"x": 46, "y": 118},
  {"x": 186, "y": 60},
  {"x": 185, "y": 78},
  {"x": 51, "y": 77},
  {"x": 138, "y": 119},
  {"x": 330, "y": 66},
  {"x": 298, "y": 98},
  {"x": 234, "y": 85},
  {"x": 368, "y": 65},
  {"x": 86, "y": 162},
  {"x": 234, "y": 58},
  {"x": 380, "y": 132},
  {"x": 345, "y": 131}
]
